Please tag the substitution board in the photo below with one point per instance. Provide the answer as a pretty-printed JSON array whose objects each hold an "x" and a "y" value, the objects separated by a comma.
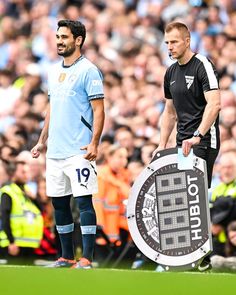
[{"x": 168, "y": 212}]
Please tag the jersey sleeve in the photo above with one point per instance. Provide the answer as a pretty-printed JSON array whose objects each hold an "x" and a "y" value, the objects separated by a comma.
[
  {"x": 49, "y": 75},
  {"x": 94, "y": 84},
  {"x": 167, "y": 85},
  {"x": 207, "y": 75}
]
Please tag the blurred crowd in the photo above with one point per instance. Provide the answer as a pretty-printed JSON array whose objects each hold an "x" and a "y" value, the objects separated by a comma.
[{"x": 125, "y": 40}]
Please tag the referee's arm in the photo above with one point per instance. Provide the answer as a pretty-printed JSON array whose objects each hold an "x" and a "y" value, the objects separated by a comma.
[
  {"x": 168, "y": 121},
  {"x": 211, "y": 110},
  {"x": 209, "y": 116}
]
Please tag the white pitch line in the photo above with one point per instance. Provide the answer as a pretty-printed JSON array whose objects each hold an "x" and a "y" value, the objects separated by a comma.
[
  {"x": 15, "y": 266},
  {"x": 134, "y": 271}
]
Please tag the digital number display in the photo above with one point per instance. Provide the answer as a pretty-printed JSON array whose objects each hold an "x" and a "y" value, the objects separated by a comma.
[{"x": 173, "y": 210}]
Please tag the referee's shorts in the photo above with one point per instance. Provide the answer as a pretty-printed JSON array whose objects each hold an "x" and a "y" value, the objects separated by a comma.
[{"x": 209, "y": 155}]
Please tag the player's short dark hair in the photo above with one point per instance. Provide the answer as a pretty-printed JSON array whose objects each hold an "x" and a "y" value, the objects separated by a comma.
[
  {"x": 179, "y": 26},
  {"x": 76, "y": 27}
]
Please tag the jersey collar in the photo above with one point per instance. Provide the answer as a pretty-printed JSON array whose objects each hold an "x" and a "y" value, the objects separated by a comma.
[{"x": 75, "y": 62}]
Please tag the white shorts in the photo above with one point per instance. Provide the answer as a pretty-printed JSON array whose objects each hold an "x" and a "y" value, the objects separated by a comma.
[{"x": 74, "y": 175}]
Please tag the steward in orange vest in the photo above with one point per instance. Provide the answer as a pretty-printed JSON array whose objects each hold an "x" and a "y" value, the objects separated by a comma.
[{"x": 113, "y": 190}]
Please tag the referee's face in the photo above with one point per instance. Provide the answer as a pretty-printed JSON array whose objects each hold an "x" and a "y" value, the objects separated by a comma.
[
  {"x": 66, "y": 44},
  {"x": 177, "y": 43}
]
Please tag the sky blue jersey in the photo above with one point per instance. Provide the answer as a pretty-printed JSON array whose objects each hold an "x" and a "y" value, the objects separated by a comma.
[{"x": 70, "y": 91}]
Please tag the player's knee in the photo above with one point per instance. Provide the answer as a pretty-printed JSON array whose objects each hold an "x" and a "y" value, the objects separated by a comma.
[
  {"x": 61, "y": 203},
  {"x": 87, "y": 212},
  {"x": 85, "y": 203}
]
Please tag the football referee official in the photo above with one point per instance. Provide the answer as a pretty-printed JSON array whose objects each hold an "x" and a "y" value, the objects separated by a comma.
[{"x": 193, "y": 99}]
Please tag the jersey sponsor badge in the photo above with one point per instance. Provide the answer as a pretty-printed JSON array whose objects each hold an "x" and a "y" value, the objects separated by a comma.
[{"x": 168, "y": 212}]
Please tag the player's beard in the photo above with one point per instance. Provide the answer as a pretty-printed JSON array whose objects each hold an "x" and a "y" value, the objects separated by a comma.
[{"x": 69, "y": 50}]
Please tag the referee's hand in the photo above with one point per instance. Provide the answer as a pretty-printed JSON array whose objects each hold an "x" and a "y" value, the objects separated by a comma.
[
  {"x": 187, "y": 144},
  {"x": 159, "y": 148}
]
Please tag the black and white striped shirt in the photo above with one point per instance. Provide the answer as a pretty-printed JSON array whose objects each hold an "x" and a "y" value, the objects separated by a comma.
[{"x": 186, "y": 84}]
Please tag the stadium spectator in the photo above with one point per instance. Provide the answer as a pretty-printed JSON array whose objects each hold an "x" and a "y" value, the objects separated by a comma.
[
  {"x": 4, "y": 176},
  {"x": 31, "y": 123},
  {"x": 114, "y": 181},
  {"x": 228, "y": 116},
  {"x": 113, "y": 190},
  {"x": 21, "y": 220},
  {"x": 146, "y": 152},
  {"x": 36, "y": 169},
  {"x": 125, "y": 138},
  {"x": 8, "y": 93},
  {"x": 221, "y": 209},
  {"x": 230, "y": 247},
  {"x": 223, "y": 213},
  {"x": 39, "y": 105},
  {"x": 135, "y": 168},
  {"x": 228, "y": 259},
  {"x": 32, "y": 83},
  {"x": 227, "y": 170},
  {"x": 48, "y": 247}
]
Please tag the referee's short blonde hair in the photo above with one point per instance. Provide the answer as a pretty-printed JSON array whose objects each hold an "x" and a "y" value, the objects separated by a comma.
[{"x": 179, "y": 26}]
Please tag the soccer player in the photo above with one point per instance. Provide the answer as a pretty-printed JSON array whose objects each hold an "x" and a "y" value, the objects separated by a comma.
[
  {"x": 193, "y": 99},
  {"x": 73, "y": 126}
]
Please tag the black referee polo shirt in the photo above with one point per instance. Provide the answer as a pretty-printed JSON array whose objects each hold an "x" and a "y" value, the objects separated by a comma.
[{"x": 186, "y": 84}]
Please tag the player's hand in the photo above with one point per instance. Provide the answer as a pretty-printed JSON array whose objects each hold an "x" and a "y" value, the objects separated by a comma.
[
  {"x": 91, "y": 153},
  {"x": 36, "y": 150},
  {"x": 187, "y": 144},
  {"x": 13, "y": 249}
]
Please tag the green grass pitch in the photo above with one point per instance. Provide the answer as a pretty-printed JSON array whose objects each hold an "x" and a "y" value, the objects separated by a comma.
[{"x": 33, "y": 280}]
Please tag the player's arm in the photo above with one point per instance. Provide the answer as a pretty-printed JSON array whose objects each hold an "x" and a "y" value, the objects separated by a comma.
[
  {"x": 168, "y": 121},
  {"x": 36, "y": 150},
  {"x": 99, "y": 117},
  {"x": 209, "y": 116},
  {"x": 98, "y": 122}
]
